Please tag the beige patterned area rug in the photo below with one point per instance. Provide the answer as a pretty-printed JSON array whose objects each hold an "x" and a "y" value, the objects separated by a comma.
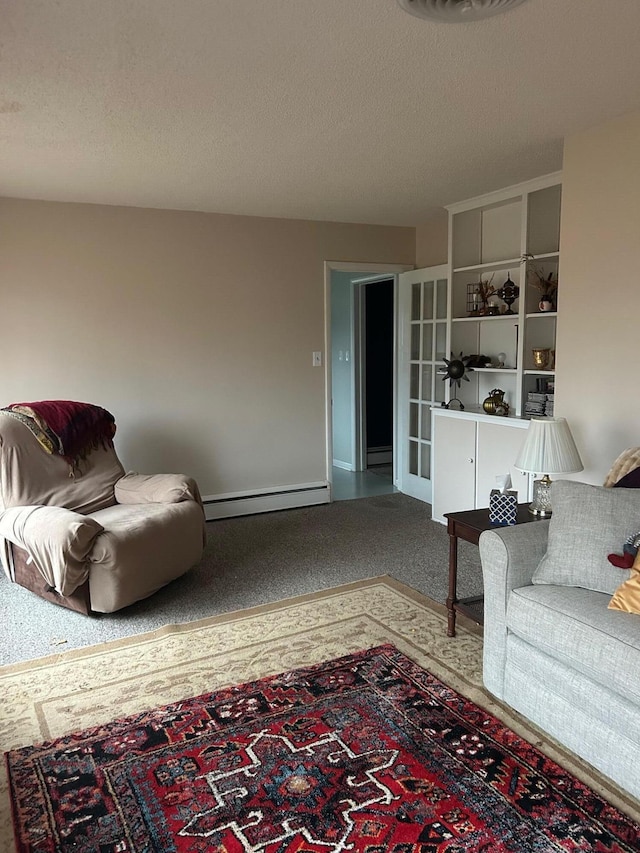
[{"x": 53, "y": 696}]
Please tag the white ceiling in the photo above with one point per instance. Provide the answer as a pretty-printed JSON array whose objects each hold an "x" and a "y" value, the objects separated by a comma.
[{"x": 344, "y": 110}]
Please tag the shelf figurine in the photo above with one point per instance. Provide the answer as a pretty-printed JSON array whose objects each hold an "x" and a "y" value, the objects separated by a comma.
[
  {"x": 456, "y": 369},
  {"x": 544, "y": 283},
  {"x": 509, "y": 292}
]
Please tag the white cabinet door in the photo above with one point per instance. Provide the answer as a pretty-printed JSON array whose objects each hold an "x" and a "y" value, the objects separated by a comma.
[
  {"x": 498, "y": 445},
  {"x": 454, "y": 465},
  {"x": 468, "y": 453}
]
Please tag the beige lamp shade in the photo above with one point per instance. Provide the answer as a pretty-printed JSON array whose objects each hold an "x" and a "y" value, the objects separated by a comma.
[{"x": 549, "y": 448}]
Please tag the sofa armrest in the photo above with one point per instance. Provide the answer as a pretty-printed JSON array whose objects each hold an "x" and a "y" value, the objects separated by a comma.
[
  {"x": 136, "y": 488},
  {"x": 58, "y": 540},
  {"x": 509, "y": 557}
]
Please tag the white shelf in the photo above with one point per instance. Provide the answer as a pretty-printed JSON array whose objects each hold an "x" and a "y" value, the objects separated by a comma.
[
  {"x": 494, "y": 369},
  {"x": 539, "y": 372},
  {"x": 476, "y": 413},
  {"x": 492, "y": 265},
  {"x": 485, "y": 317},
  {"x": 538, "y": 314},
  {"x": 544, "y": 256}
]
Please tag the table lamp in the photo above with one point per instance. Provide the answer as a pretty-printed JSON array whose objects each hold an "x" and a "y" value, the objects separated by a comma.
[{"x": 549, "y": 447}]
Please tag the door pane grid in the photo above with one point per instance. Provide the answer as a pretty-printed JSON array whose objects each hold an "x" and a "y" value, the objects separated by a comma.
[
  {"x": 428, "y": 299},
  {"x": 424, "y": 323},
  {"x": 416, "y": 301}
]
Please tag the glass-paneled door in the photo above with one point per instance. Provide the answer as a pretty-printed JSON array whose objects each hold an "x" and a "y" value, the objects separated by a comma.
[{"x": 422, "y": 346}]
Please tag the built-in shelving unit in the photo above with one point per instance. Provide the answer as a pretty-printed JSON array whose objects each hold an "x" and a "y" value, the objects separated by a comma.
[{"x": 489, "y": 236}]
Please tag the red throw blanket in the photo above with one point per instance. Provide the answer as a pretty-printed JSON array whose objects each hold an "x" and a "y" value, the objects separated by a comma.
[{"x": 72, "y": 429}]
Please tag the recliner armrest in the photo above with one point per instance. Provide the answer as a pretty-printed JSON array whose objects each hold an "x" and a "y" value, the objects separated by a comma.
[
  {"x": 136, "y": 488},
  {"x": 58, "y": 540}
]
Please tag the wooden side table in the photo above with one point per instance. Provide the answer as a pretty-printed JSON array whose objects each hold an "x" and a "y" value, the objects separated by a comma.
[{"x": 468, "y": 525}]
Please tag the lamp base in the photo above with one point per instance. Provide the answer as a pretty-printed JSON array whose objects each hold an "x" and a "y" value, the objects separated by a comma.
[{"x": 541, "y": 504}]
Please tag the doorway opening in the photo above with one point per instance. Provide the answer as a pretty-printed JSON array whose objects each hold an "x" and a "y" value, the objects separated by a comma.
[
  {"x": 376, "y": 364},
  {"x": 361, "y": 363}
]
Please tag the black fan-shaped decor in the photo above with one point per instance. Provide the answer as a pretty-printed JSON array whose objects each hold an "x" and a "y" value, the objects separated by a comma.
[{"x": 456, "y": 370}]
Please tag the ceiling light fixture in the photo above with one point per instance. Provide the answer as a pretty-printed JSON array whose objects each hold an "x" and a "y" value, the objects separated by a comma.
[{"x": 456, "y": 11}]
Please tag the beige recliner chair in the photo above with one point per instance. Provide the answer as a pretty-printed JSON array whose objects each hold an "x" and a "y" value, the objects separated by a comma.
[{"x": 85, "y": 534}]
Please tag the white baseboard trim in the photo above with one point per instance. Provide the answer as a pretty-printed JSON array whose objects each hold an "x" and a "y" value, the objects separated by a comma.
[
  {"x": 345, "y": 466},
  {"x": 265, "y": 500}
]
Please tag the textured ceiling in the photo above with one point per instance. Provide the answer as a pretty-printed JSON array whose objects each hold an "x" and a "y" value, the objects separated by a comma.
[{"x": 344, "y": 110}]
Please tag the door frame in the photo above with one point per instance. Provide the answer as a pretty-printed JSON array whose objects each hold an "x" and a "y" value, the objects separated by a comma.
[{"x": 372, "y": 272}]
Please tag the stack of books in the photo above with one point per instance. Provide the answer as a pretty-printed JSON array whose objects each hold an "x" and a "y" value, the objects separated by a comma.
[
  {"x": 538, "y": 405},
  {"x": 548, "y": 406},
  {"x": 535, "y": 404}
]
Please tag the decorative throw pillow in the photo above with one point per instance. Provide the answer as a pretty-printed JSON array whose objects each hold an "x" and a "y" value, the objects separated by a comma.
[
  {"x": 588, "y": 523},
  {"x": 627, "y": 596},
  {"x": 631, "y": 480}
]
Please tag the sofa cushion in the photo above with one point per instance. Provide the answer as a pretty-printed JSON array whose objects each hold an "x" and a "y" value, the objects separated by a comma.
[
  {"x": 588, "y": 523},
  {"x": 141, "y": 548},
  {"x": 575, "y": 626},
  {"x": 594, "y": 722}
]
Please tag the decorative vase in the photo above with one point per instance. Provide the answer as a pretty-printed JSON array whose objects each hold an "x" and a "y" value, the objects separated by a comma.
[
  {"x": 495, "y": 403},
  {"x": 541, "y": 358},
  {"x": 545, "y": 304}
]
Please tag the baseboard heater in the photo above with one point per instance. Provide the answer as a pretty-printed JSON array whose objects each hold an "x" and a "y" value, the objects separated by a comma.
[{"x": 265, "y": 500}]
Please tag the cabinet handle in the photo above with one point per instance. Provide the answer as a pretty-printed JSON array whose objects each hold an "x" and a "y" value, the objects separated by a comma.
[{"x": 471, "y": 460}]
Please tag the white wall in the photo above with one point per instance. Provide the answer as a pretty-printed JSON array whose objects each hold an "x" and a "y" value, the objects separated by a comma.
[
  {"x": 432, "y": 240},
  {"x": 599, "y": 293},
  {"x": 196, "y": 330}
]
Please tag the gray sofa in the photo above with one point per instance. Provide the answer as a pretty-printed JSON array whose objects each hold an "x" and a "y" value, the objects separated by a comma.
[{"x": 553, "y": 650}]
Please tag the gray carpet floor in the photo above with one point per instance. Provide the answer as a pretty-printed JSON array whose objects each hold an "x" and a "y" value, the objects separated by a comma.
[{"x": 257, "y": 560}]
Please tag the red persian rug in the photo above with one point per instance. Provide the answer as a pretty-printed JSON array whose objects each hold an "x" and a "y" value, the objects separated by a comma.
[{"x": 368, "y": 753}]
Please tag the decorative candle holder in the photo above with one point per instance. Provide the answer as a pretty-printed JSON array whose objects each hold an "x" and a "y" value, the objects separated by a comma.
[
  {"x": 541, "y": 357},
  {"x": 509, "y": 292}
]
